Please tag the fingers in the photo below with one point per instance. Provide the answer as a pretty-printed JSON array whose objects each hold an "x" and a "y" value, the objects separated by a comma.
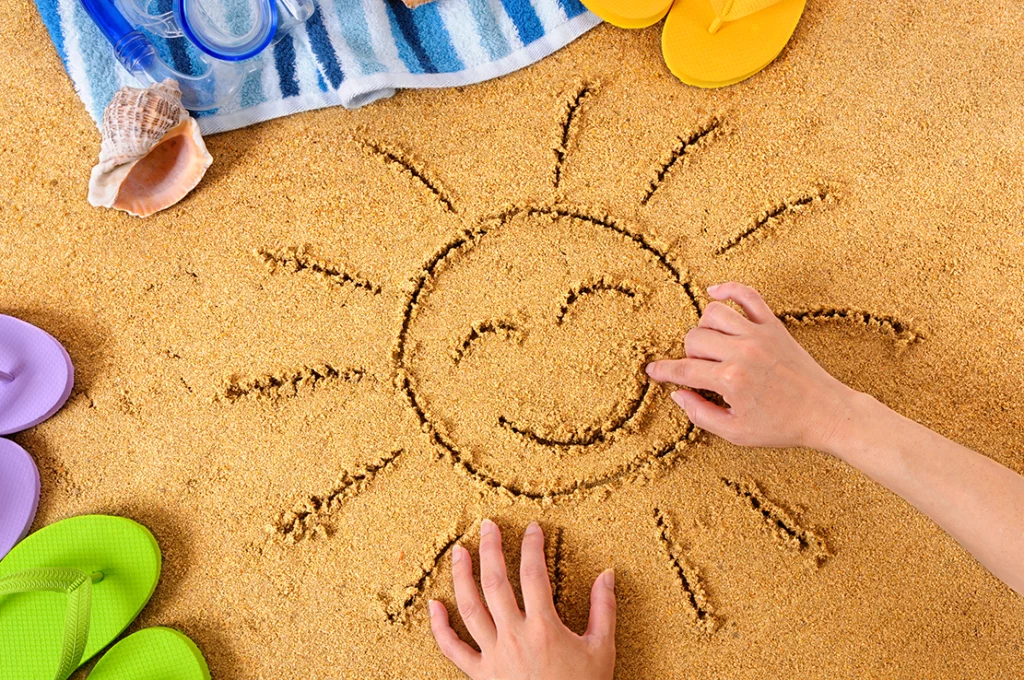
[
  {"x": 501, "y": 601},
  {"x": 746, "y": 297},
  {"x": 601, "y": 628},
  {"x": 457, "y": 651},
  {"x": 533, "y": 574},
  {"x": 723, "y": 318},
  {"x": 704, "y": 343},
  {"x": 471, "y": 609},
  {"x": 704, "y": 414},
  {"x": 696, "y": 373}
]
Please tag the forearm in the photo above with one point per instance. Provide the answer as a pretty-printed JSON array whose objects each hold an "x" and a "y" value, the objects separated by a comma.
[{"x": 979, "y": 502}]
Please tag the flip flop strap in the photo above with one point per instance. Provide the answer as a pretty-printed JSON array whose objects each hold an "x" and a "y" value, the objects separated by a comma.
[
  {"x": 730, "y": 10},
  {"x": 77, "y": 585}
]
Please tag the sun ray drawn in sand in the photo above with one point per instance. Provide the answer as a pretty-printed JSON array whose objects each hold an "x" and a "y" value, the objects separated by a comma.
[{"x": 543, "y": 284}]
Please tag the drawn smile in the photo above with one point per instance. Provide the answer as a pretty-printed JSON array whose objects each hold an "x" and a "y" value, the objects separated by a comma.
[{"x": 621, "y": 415}]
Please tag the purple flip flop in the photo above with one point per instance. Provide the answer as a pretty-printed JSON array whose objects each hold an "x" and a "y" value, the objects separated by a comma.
[
  {"x": 19, "y": 494},
  {"x": 36, "y": 375}
]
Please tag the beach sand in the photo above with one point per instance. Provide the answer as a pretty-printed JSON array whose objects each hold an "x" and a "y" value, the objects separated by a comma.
[{"x": 323, "y": 368}]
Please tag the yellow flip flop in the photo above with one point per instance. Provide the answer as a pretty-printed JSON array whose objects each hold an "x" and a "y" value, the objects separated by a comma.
[
  {"x": 629, "y": 13},
  {"x": 714, "y": 43}
]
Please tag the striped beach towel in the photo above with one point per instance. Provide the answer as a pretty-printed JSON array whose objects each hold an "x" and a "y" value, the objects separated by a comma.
[{"x": 349, "y": 53}]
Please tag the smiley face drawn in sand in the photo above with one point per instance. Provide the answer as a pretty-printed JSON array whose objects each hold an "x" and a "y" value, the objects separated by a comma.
[
  {"x": 521, "y": 350},
  {"x": 515, "y": 354}
]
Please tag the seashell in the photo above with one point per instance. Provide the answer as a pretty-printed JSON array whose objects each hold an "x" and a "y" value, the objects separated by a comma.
[{"x": 152, "y": 153}]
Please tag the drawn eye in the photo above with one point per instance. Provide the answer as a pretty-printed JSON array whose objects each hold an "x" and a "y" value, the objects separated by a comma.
[
  {"x": 509, "y": 330},
  {"x": 595, "y": 287}
]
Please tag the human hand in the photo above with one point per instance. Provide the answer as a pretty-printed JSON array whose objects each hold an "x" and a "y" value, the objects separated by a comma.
[
  {"x": 514, "y": 645},
  {"x": 777, "y": 395}
]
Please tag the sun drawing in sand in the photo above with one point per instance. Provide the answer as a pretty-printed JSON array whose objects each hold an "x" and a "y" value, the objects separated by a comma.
[{"x": 547, "y": 285}]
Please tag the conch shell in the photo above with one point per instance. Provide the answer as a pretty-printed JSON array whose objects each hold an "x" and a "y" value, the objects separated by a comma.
[{"x": 152, "y": 153}]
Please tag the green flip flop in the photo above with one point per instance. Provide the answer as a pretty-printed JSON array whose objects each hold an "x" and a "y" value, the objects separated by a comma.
[
  {"x": 68, "y": 590},
  {"x": 152, "y": 654}
]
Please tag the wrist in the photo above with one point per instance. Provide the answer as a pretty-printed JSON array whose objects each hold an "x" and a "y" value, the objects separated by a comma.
[{"x": 845, "y": 421}]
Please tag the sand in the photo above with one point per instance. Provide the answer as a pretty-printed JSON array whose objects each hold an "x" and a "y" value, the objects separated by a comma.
[{"x": 368, "y": 330}]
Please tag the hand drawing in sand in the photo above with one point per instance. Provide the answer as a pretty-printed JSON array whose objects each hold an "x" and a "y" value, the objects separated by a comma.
[{"x": 521, "y": 350}]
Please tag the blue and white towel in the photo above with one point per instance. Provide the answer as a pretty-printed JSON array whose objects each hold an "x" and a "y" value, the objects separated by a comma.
[{"x": 349, "y": 53}]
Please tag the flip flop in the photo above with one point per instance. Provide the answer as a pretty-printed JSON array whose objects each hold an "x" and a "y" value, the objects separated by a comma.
[
  {"x": 629, "y": 13},
  {"x": 36, "y": 375},
  {"x": 152, "y": 654},
  {"x": 70, "y": 589},
  {"x": 19, "y": 494},
  {"x": 714, "y": 43}
]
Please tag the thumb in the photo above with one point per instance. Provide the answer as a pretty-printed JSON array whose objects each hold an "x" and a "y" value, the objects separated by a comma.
[
  {"x": 601, "y": 628},
  {"x": 703, "y": 413}
]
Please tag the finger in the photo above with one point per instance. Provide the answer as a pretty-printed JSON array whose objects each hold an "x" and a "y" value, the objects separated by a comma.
[
  {"x": 749, "y": 300},
  {"x": 721, "y": 317},
  {"x": 452, "y": 646},
  {"x": 533, "y": 574},
  {"x": 696, "y": 373},
  {"x": 601, "y": 627},
  {"x": 704, "y": 414},
  {"x": 471, "y": 609},
  {"x": 494, "y": 577},
  {"x": 704, "y": 343}
]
